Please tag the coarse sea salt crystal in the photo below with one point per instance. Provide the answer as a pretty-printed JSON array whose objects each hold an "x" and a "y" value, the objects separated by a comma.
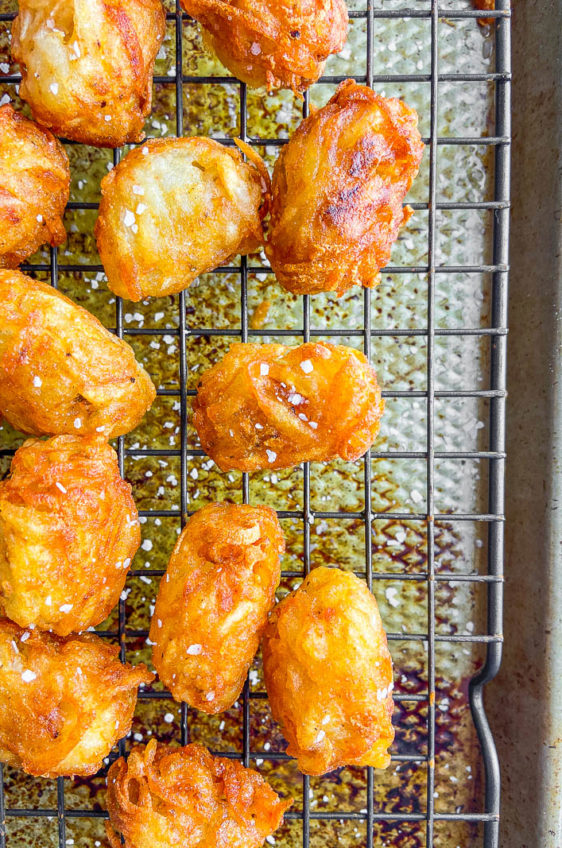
[
  {"x": 194, "y": 650},
  {"x": 28, "y": 675},
  {"x": 129, "y": 218},
  {"x": 264, "y": 369},
  {"x": 307, "y": 366},
  {"x": 37, "y": 382},
  {"x": 54, "y": 87},
  {"x": 271, "y": 455}
]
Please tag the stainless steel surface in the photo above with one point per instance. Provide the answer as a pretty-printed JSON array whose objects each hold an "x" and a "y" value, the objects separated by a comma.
[
  {"x": 525, "y": 701},
  {"x": 414, "y": 519}
]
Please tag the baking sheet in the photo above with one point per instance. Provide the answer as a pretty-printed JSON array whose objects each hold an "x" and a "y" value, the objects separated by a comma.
[{"x": 399, "y": 319}]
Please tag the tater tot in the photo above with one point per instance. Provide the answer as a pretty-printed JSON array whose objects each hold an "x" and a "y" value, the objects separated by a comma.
[
  {"x": 272, "y": 44},
  {"x": 175, "y": 208},
  {"x": 328, "y": 673},
  {"x": 34, "y": 188},
  {"x": 61, "y": 371},
  {"x": 87, "y": 65},
  {"x": 337, "y": 192},
  {"x": 272, "y": 406},
  {"x": 162, "y": 796},
  {"x": 213, "y": 602},
  {"x": 64, "y": 703},
  {"x": 68, "y": 531}
]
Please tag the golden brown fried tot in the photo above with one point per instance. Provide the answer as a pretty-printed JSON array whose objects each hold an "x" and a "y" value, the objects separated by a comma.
[
  {"x": 87, "y": 65},
  {"x": 61, "y": 371},
  {"x": 64, "y": 703},
  {"x": 213, "y": 602},
  {"x": 273, "y": 406},
  {"x": 328, "y": 673},
  {"x": 486, "y": 6},
  {"x": 34, "y": 188},
  {"x": 175, "y": 208},
  {"x": 68, "y": 531},
  {"x": 272, "y": 44},
  {"x": 337, "y": 192},
  {"x": 163, "y": 796}
]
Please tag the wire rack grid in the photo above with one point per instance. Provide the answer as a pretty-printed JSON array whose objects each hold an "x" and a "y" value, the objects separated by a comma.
[{"x": 488, "y": 817}]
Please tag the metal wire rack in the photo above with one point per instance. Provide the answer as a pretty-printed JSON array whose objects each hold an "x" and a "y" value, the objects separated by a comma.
[{"x": 487, "y": 819}]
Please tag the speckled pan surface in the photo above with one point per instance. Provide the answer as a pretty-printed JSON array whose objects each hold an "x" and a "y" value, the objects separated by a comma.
[{"x": 398, "y": 314}]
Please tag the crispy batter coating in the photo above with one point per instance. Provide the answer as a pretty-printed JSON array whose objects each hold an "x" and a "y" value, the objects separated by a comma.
[
  {"x": 163, "y": 796},
  {"x": 87, "y": 65},
  {"x": 273, "y": 406},
  {"x": 61, "y": 371},
  {"x": 175, "y": 208},
  {"x": 34, "y": 188},
  {"x": 68, "y": 531},
  {"x": 213, "y": 602},
  {"x": 271, "y": 43},
  {"x": 337, "y": 191},
  {"x": 328, "y": 673},
  {"x": 64, "y": 703},
  {"x": 486, "y": 6}
]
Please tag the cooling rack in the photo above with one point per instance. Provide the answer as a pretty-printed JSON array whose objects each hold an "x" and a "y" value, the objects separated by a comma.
[{"x": 413, "y": 518}]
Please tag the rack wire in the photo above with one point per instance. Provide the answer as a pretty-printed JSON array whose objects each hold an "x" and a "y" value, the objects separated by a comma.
[{"x": 488, "y": 817}]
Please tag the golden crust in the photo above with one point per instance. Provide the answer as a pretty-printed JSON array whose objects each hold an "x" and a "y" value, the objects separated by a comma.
[
  {"x": 34, "y": 188},
  {"x": 174, "y": 209},
  {"x": 273, "y": 44},
  {"x": 87, "y": 65},
  {"x": 486, "y": 6},
  {"x": 213, "y": 602},
  {"x": 328, "y": 673},
  {"x": 64, "y": 703},
  {"x": 61, "y": 371},
  {"x": 273, "y": 406},
  {"x": 337, "y": 192},
  {"x": 163, "y": 796},
  {"x": 68, "y": 531}
]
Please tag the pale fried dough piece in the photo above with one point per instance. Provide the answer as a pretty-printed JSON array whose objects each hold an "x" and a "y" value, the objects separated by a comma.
[
  {"x": 273, "y": 406},
  {"x": 68, "y": 531},
  {"x": 61, "y": 371},
  {"x": 163, "y": 796},
  {"x": 271, "y": 43},
  {"x": 64, "y": 703},
  {"x": 87, "y": 65},
  {"x": 34, "y": 188},
  {"x": 213, "y": 602},
  {"x": 328, "y": 673},
  {"x": 337, "y": 192},
  {"x": 175, "y": 208}
]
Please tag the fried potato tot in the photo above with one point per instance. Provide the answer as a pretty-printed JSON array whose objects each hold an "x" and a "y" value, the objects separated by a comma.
[
  {"x": 34, "y": 188},
  {"x": 213, "y": 602},
  {"x": 61, "y": 371},
  {"x": 486, "y": 6},
  {"x": 175, "y": 208},
  {"x": 272, "y": 44},
  {"x": 163, "y": 796},
  {"x": 87, "y": 65},
  {"x": 337, "y": 192},
  {"x": 64, "y": 703},
  {"x": 328, "y": 673},
  {"x": 68, "y": 531},
  {"x": 273, "y": 406}
]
